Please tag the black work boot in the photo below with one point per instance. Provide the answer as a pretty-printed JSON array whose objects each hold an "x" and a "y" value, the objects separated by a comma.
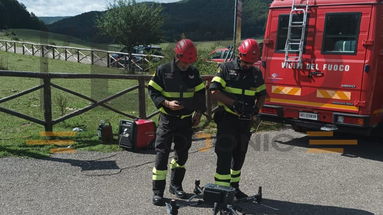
[
  {"x": 238, "y": 193},
  {"x": 158, "y": 190},
  {"x": 177, "y": 176},
  {"x": 158, "y": 199}
]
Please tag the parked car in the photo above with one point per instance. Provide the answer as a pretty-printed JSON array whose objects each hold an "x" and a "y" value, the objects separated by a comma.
[
  {"x": 119, "y": 59},
  {"x": 221, "y": 55}
]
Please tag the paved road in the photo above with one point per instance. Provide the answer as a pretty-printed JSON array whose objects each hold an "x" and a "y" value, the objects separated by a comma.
[{"x": 293, "y": 181}]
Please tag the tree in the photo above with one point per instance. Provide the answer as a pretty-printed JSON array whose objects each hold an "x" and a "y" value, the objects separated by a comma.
[{"x": 132, "y": 24}]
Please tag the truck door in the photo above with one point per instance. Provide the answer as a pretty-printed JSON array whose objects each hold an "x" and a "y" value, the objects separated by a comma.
[{"x": 333, "y": 60}]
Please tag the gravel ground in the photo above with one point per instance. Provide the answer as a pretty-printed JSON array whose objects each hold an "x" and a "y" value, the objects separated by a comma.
[{"x": 293, "y": 180}]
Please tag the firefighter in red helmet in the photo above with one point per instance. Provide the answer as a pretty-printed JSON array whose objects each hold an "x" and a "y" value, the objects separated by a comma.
[
  {"x": 240, "y": 91},
  {"x": 179, "y": 94}
]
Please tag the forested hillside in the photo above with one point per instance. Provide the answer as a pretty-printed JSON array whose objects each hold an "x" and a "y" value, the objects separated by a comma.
[
  {"x": 14, "y": 15},
  {"x": 200, "y": 20}
]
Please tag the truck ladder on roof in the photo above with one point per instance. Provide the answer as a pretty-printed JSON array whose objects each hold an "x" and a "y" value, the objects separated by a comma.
[{"x": 299, "y": 22}]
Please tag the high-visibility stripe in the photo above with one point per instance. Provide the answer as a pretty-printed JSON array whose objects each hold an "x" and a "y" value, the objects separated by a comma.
[
  {"x": 235, "y": 172},
  {"x": 155, "y": 86},
  {"x": 227, "y": 109},
  {"x": 235, "y": 175},
  {"x": 159, "y": 175},
  {"x": 261, "y": 88},
  {"x": 226, "y": 184},
  {"x": 293, "y": 91},
  {"x": 233, "y": 90},
  {"x": 199, "y": 87},
  {"x": 162, "y": 110},
  {"x": 240, "y": 91},
  {"x": 222, "y": 177},
  {"x": 177, "y": 94},
  {"x": 188, "y": 95},
  {"x": 173, "y": 164},
  {"x": 219, "y": 80},
  {"x": 235, "y": 179},
  {"x": 314, "y": 104},
  {"x": 331, "y": 94}
]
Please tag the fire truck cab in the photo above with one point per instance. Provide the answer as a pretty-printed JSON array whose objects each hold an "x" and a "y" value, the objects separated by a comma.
[{"x": 322, "y": 62}]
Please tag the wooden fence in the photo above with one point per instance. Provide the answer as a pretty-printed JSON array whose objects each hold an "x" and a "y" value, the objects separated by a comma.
[
  {"x": 47, "y": 86},
  {"x": 136, "y": 62}
]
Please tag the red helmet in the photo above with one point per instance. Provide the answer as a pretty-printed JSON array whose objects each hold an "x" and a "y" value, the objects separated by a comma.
[
  {"x": 249, "y": 51},
  {"x": 185, "y": 51}
]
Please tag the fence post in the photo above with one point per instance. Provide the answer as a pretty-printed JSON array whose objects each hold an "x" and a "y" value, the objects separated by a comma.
[
  {"x": 23, "y": 48},
  {"x": 6, "y": 46},
  {"x": 42, "y": 51},
  {"x": 141, "y": 97},
  {"x": 66, "y": 54},
  {"x": 33, "y": 50},
  {"x": 78, "y": 56},
  {"x": 14, "y": 47},
  {"x": 53, "y": 53},
  {"x": 48, "y": 104},
  {"x": 107, "y": 59},
  {"x": 92, "y": 57}
]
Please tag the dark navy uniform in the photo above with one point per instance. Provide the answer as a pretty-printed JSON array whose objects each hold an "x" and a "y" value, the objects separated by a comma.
[
  {"x": 233, "y": 133},
  {"x": 170, "y": 83}
]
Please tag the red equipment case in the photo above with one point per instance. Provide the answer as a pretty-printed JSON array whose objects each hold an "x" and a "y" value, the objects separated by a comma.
[{"x": 136, "y": 134}]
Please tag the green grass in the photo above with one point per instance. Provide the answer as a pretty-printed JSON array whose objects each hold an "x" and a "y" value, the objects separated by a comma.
[
  {"x": 41, "y": 37},
  {"x": 14, "y": 132}
]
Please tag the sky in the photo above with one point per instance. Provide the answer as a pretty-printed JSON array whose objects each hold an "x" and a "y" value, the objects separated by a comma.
[{"x": 70, "y": 7}]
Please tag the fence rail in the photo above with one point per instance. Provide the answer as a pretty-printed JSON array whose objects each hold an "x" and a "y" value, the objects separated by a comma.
[
  {"x": 47, "y": 86},
  {"x": 136, "y": 62}
]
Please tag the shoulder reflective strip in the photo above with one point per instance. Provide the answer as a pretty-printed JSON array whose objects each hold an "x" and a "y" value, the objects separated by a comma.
[
  {"x": 219, "y": 80},
  {"x": 199, "y": 87},
  {"x": 261, "y": 88},
  {"x": 235, "y": 172},
  {"x": 314, "y": 104},
  {"x": 222, "y": 177},
  {"x": 173, "y": 164},
  {"x": 155, "y": 86},
  {"x": 226, "y": 184}
]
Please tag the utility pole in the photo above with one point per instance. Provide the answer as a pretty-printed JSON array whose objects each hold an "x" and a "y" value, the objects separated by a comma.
[{"x": 238, "y": 5}]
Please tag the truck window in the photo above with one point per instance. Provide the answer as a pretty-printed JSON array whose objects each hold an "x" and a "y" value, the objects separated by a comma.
[
  {"x": 341, "y": 33},
  {"x": 283, "y": 22}
]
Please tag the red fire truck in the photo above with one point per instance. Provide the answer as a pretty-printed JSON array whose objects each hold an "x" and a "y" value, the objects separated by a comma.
[{"x": 323, "y": 64}]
